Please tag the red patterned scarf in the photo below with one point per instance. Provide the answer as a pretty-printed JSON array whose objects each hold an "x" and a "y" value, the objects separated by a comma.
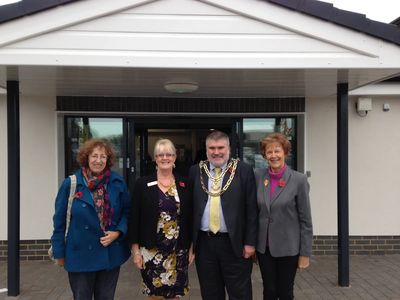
[{"x": 96, "y": 185}]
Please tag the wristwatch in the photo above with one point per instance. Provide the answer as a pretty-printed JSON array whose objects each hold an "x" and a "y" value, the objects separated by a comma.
[{"x": 136, "y": 252}]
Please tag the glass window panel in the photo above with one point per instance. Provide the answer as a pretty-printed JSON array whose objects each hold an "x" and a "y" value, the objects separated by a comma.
[
  {"x": 255, "y": 129},
  {"x": 111, "y": 130},
  {"x": 79, "y": 130},
  {"x": 77, "y": 134}
]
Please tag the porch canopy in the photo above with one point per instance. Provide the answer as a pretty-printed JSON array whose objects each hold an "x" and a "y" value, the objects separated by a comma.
[
  {"x": 241, "y": 48},
  {"x": 230, "y": 49}
]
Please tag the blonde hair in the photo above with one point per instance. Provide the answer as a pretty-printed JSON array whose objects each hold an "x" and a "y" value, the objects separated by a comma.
[{"x": 164, "y": 145}]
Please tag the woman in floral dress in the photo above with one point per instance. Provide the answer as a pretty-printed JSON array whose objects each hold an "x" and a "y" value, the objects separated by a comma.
[{"x": 160, "y": 227}]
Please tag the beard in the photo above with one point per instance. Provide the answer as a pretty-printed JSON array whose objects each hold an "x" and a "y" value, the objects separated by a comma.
[{"x": 218, "y": 160}]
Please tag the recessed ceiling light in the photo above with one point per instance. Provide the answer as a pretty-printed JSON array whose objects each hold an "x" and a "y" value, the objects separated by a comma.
[{"x": 181, "y": 88}]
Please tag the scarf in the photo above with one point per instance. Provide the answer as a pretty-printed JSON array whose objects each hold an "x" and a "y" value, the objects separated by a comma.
[{"x": 101, "y": 199}]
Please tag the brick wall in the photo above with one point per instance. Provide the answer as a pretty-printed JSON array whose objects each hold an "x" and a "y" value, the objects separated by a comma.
[
  {"x": 358, "y": 245},
  {"x": 322, "y": 245},
  {"x": 29, "y": 250}
]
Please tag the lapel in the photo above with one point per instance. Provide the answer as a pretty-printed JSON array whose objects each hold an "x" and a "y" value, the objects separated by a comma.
[
  {"x": 153, "y": 190},
  {"x": 226, "y": 176},
  {"x": 181, "y": 190},
  {"x": 86, "y": 196},
  {"x": 205, "y": 177},
  {"x": 266, "y": 189},
  {"x": 278, "y": 190},
  {"x": 113, "y": 192},
  {"x": 225, "y": 180},
  {"x": 203, "y": 196},
  {"x": 81, "y": 187}
]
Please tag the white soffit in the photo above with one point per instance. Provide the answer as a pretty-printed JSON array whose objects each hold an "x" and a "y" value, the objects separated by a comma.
[
  {"x": 379, "y": 89},
  {"x": 245, "y": 34}
]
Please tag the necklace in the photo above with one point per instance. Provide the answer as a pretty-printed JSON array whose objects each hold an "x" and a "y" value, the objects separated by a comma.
[
  {"x": 166, "y": 186},
  {"x": 231, "y": 166}
]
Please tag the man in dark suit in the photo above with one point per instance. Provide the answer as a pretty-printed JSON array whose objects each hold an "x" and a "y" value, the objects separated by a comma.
[{"x": 225, "y": 217}]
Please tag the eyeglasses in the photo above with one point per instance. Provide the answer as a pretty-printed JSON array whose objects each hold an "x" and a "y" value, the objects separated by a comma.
[
  {"x": 96, "y": 157},
  {"x": 168, "y": 155}
]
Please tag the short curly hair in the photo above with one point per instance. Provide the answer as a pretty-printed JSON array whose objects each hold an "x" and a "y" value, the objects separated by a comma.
[
  {"x": 275, "y": 137},
  {"x": 88, "y": 147}
]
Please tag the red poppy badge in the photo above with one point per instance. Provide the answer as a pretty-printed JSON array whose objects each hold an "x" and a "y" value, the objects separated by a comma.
[
  {"x": 182, "y": 184},
  {"x": 78, "y": 195},
  {"x": 281, "y": 183}
]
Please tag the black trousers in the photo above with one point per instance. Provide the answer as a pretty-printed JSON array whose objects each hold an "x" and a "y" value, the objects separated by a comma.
[
  {"x": 218, "y": 268},
  {"x": 278, "y": 275},
  {"x": 100, "y": 284}
]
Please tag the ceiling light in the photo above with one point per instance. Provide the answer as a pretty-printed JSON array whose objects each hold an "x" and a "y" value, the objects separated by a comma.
[{"x": 181, "y": 88}]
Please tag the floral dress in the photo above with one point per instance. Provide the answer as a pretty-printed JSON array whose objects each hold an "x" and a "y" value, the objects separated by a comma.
[{"x": 165, "y": 267}]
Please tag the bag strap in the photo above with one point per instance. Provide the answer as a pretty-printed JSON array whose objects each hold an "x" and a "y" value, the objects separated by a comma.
[{"x": 70, "y": 200}]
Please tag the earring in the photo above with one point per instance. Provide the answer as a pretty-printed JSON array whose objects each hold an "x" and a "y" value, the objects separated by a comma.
[
  {"x": 156, "y": 167},
  {"x": 174, "y": 166}
]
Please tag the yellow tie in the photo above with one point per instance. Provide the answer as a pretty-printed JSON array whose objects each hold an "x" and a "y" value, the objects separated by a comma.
[{"x": 214, "y": 203}]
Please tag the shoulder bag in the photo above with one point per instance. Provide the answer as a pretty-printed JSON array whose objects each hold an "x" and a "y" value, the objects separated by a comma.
[{"x": 68, "y": 218}]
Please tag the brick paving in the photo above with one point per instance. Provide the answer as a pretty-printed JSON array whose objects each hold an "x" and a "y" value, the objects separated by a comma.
[{"x": 371, "y": 277}]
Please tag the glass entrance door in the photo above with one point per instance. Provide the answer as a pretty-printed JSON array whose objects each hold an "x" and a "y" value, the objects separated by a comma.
[{"x": 134, "y": 140}]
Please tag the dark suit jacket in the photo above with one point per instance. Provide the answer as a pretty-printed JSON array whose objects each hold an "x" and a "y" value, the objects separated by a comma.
[
  {"x": 145, "y": 211},
  {"x": 287, "y": 216},
  {"x": 239, "y": 206}
]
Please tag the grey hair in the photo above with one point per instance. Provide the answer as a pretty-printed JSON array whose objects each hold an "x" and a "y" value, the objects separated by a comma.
[{"x": 216, "y": 136}]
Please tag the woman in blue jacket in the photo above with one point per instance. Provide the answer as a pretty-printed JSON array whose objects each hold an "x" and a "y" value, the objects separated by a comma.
[{"x": 96, "y": 246}]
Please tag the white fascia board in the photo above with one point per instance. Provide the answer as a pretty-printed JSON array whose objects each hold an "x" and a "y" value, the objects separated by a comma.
[
  {"x": 196, "y": 60},
  {"x": 302, "y": 24},
  {"x": 60, "y": 17},
  {"x": 378, "y": 89},
  {"x": 389, "y": 55}
]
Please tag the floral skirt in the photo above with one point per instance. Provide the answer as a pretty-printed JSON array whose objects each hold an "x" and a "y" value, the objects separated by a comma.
[{"x": 165, "y": 274}]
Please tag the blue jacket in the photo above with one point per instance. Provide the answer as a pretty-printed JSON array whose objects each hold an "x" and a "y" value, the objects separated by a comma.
[{"x": 83, "y": 251}]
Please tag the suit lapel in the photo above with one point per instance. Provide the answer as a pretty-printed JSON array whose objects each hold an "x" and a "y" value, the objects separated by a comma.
[
  {"x": 205, "y": 177},
  {"x": 266, "y": 179},
  {"x": 226, "y": 177},
  {"x": 279, "y": 189}
]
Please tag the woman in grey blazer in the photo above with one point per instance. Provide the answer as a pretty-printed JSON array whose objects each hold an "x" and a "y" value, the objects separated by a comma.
[{"x": 285, "y": 226}]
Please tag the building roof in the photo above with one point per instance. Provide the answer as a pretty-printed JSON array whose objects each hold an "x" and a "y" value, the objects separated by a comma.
[
  {"x": 326, "y": 11},
  {"x": 17, "y": 10},
  {"x": 322, "y": 10}
]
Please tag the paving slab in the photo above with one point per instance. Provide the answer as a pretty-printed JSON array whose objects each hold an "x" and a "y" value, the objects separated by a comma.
[{"x": 371, "y": 277}]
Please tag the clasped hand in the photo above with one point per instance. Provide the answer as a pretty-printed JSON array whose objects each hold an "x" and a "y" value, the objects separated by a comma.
[{"x": 110, "y": 236}]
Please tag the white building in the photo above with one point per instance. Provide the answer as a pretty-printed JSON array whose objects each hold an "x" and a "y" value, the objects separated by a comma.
[{"x": 98, "y": 68}]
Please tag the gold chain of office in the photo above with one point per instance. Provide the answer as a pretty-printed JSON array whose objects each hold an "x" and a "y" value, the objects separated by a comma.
[{"x": 231, "y": 166}]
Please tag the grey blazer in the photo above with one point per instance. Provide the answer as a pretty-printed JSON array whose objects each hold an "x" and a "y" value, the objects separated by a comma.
[{"x": 287, "y": 216}]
